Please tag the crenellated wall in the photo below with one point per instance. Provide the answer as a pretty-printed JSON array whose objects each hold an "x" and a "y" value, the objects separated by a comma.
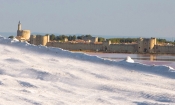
[
  {"x": 164, "y": 49},
  {"x": 76, "y": 46},
  {"x": 143, "y": 46},
  {"x": 123, "y": 48}
]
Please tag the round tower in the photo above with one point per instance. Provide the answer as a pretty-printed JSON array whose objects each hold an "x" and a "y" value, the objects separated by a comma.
[
  {"x": 22, "y": 34},
  {"x": 140, "y": 45},
  {"x": 151, "y": 45}
]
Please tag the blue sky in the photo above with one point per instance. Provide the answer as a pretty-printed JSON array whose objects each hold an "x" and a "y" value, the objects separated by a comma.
[{"x": 145, "y": 18}]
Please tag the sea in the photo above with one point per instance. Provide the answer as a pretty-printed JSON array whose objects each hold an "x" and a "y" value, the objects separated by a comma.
[{"x": 148, "y": 59}]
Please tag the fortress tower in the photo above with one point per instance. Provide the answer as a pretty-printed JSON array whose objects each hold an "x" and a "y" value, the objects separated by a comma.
[
  {"x": 22, "y": 34},
  {"x": 39, "y": 39},
  {"x": 146, "y": 45}
]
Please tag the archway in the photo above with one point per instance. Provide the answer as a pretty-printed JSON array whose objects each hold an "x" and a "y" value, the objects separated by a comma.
[{"x": 145, "y": 50}]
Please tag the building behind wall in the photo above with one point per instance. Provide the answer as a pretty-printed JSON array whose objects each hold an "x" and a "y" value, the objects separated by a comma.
[{"x": 90, "y": 39}]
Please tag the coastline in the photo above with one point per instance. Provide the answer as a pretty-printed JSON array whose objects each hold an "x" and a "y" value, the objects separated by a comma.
[
  {"x": 138, "y": 57},
  {"x": 103, "y": 52},
  {"x": 148, "y": 59}
]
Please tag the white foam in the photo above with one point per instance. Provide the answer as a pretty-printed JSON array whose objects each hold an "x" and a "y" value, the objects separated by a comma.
[
  {"x": 128, "y": 59},
  {"x": 42, "y": 75}
]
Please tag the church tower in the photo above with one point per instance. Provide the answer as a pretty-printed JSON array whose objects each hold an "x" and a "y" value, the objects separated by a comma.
[{"x": 19, "y": 26}]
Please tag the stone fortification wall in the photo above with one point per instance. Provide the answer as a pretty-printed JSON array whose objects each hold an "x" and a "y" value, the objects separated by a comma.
[
  {"x": 140, "y": 45},
  {"x": 143, "y": 46},
  {"x": 39, "y": 39},
  {"x": 24, "y": 34},
  {"x": 164, "y": 49},
  {"x": 33, "y": 39},
  {"x": 77, "y": 46},
  {"x": 123, "y": 48},
  {"x": 91, "y": 39}
]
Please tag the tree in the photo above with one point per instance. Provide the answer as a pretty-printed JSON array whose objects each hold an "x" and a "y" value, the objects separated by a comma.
[
  {"x": 100, "y": 39},
  {"x": 63, "y": 37},
  {"x": 123, "y": 40},
  {"x": 11, "y": 37},
  {"x": 80, "y": 37},
  {"x": 74, "y": 37},
  {"x": 52, "y": 37},
  {"x": 89, "y": 36},
  {"x": 70, "y": 38}
]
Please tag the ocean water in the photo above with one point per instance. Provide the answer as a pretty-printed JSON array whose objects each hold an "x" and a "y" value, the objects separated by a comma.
[{"x": 149, "y": 59}]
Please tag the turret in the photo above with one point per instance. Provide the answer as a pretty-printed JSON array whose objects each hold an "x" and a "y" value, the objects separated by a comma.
[
  {"x": 146, "y": 45},
  {"x": 19, "y": 26}
]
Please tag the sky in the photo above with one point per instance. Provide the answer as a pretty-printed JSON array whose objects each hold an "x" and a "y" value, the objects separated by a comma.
[{"x": 144, "y": 18}]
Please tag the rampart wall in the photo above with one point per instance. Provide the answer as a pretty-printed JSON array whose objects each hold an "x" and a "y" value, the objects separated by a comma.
[
  {"x": 164, "y": 49},
  {"x": 120, "y": 48},
  {"x": 123, "y": 48},
  {"x": 76, "y": 46},
  {"x": 143, "y": 46},
  {"x": 33, "y": 39}
]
